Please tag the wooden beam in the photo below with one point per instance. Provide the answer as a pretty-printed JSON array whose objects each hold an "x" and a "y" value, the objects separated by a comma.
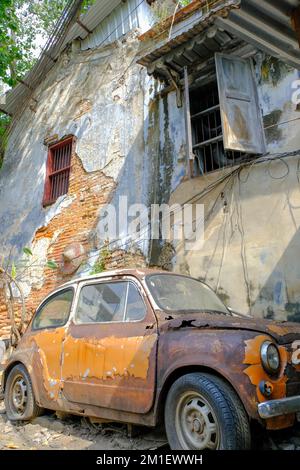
[
  {"x": 188, "y": 127},
  {"x": 295, "y": 19},
  {"x": 83, "y": 26},
  {"x": 5, "y": 112}
]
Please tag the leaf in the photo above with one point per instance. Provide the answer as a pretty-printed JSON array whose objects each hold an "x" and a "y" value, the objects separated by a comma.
[
  {"x": 51, "y": 264},
  {"x": 27, "y": 251},
  {"x": 13, "y": 271}
]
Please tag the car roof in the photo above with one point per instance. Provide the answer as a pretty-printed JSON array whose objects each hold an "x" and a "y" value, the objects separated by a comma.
[{"x": 138, "y": 273}]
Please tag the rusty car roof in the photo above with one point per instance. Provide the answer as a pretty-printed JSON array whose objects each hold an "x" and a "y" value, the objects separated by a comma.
[{"x": 137, "y": 272}]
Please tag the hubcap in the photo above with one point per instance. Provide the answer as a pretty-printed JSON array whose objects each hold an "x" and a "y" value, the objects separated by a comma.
[
  {"x": 19, "y": 394},
  {"x": 196, "y": 424}
]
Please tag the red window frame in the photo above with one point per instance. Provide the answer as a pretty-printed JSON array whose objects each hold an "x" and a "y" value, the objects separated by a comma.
[{"x": 58, "y": 169}]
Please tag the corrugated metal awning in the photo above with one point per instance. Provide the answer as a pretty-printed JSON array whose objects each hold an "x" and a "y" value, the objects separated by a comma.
[
  {"x": 267, "y": 25},
  {"x": 264, "y": 24}
]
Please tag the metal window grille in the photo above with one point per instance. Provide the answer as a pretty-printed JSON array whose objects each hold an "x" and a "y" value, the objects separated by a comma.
[
  {"x": 208, "y": 145},
  {"x": 58, "y": 170}
]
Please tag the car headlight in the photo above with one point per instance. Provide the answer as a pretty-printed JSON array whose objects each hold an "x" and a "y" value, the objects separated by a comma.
[{"x": 270, "y": 357}]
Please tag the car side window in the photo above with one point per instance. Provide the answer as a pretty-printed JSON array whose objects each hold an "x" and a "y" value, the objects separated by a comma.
[
  {"x": 55, "y": 311},
  {"x": 102, "y": 302},
  {"x": 136, "y": 308}
]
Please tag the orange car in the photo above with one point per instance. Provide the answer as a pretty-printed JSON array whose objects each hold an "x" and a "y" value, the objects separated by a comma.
[{"x": 142, "y": 346}]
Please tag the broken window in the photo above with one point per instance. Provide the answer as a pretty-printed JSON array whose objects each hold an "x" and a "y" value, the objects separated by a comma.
[
  {"x": 225, "y": 117},
  {"x": 58, "y": 170}
]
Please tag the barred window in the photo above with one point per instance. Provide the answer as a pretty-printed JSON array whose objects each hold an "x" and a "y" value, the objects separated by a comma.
[
  {"x": 208, "y": 146},
  {"x": 226, "y": 120},
  {"x": 58, "y": 170}
]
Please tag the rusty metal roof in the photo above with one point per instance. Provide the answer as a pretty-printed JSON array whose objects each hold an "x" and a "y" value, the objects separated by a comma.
[
  {"x": 264, "y": 24},
  {"x": 267, "y": 25},
  {"x": 191, "y": 26}
]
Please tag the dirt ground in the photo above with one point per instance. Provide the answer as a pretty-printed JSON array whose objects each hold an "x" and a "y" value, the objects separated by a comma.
[{"x": 74, "y": 433}]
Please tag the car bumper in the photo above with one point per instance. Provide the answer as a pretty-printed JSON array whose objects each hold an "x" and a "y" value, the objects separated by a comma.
[{"x": 283, "y": 406}]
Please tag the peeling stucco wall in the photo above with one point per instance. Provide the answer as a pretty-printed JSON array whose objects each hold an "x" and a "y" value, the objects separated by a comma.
[
  {"x": 131, "y": 141},
  {"x": 98, "y": 96},
  {"x": 252, "y": 238},
  {"x": 108, "y": 102},
  {"x": 275, "y": 88}
]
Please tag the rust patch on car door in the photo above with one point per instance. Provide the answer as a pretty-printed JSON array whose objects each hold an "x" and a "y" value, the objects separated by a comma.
[
  {"x": 49, "y": 344},
  {"x": 106, "y": 358},
  {"x": 110, "y": 365}
]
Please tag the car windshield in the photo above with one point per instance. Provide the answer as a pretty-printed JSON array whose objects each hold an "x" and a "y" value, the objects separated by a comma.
[{"x": 173, "y": 292}]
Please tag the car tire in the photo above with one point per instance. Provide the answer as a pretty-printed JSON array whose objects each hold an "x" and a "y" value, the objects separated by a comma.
[
  {"x": 19, "y": 400},
  {"x": 203, "y": 412}
]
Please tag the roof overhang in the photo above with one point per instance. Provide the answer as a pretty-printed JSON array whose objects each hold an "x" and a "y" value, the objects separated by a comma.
[
  {"x": 187, "y": 38},
  {"x": 268, "y": 25},
  {"x": 262, "y": 24}
]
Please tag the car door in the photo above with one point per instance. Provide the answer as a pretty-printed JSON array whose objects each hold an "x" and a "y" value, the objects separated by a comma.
[
  {"x": 47, "y": 334},
  {"x": 109, "y": 354}
]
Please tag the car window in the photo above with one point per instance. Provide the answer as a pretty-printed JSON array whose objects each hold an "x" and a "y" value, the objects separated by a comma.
[
  {"x": 55, "y": 311},
  {"x": 102, "y": 302},
  {"x": 173, "y": 292},
  {"x": 136, "y": 308}
]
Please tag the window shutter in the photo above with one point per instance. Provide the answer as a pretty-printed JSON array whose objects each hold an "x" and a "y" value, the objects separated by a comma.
[
  {"x": 240, "y": 112},
  {"x": 58, "y": 170}
]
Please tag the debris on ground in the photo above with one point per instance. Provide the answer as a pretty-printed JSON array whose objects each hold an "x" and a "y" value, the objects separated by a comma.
[{"x": 60, "y": 431}]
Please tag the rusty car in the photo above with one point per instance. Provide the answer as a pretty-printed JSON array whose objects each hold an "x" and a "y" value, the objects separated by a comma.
[{"x": 148, "y": 347}]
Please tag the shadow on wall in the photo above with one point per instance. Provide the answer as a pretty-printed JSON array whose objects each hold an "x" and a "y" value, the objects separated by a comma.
[
  {"x": 281, "y": 291},
  {"x": 144, "y": 177}
]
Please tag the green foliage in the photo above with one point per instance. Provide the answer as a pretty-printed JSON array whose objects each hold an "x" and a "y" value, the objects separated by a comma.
[
  {"x": 184, "y": 3},
  {"x": 4, "y": 124},
  {"x": 18, "y": 270},
  {"x": 100, "y": 264},
  {"x": 9, "y": 52},
  {"x": 27, "y": 251},
  {"x": 25, "y": 26},
  {"x": 51, "y": 264},
  {"x": 13, "y": 271}
]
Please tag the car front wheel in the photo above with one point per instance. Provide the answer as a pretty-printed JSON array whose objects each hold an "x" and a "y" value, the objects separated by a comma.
[
  {"x": 19, "y": 399},
  {"x": 203, "y": 412}
]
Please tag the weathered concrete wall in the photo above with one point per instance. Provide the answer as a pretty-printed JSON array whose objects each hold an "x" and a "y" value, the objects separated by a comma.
[
  {"x": 98, "y": 96},
  {"x": 275, "y": 88},
  {"x": 128, "y": 143},
  {"x": 252, "y": 238},
  {"x": 131, "y": 143}
]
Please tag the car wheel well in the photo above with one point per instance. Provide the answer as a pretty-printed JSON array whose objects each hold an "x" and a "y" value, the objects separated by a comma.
[
  {"x": 9, "y": 368},
  {"x": 179, "y": 373}
]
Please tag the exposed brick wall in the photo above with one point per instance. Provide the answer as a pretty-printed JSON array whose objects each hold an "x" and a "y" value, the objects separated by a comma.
[
  {"x": 4, "y": 322},
  {"x": 75, "y": 223}
]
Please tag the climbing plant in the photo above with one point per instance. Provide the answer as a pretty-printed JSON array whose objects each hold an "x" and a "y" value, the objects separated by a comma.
[{"x": 11, "y": 276}]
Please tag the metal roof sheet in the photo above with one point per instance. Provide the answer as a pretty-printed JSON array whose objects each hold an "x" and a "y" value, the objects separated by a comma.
[
  {"x": 66, "y": 31},
  {"x": 267, "y": 25},
  {"x": 264, "y": 24}
]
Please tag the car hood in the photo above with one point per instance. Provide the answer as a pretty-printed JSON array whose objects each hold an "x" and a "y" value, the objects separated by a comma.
[{"x": 282, "y": 332}]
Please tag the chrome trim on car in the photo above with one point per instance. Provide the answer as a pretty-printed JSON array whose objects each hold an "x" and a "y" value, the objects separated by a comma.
[{"x": 282, "y": 406}]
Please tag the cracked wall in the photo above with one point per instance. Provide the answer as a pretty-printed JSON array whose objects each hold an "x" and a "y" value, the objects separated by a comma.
[
  {"x": 252, "y": 219},
  {"x": 98, "y": 96},
  {"x": 131, "y": 142}
]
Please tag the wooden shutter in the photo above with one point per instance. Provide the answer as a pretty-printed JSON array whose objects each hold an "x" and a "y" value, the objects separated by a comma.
[
  {"x": 58, "y": 170},
  {"x": 240, "y": 112}
]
